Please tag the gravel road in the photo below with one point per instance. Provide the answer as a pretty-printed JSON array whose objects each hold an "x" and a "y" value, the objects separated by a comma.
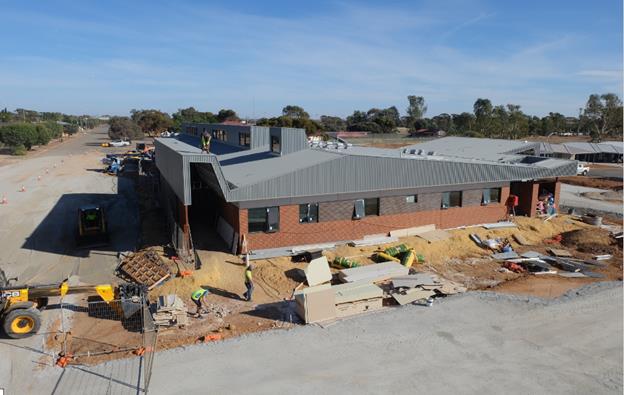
[
  {"x": 39, "y": 225},
  {"x": 476, "y": 343}
]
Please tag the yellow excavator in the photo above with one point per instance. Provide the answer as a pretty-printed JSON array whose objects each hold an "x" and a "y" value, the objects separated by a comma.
[{"x": 21, "y": 305}]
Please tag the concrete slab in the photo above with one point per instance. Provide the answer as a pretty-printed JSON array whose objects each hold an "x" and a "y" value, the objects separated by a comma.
[
  {"x": 435, "y": 235},
  {"x": 412, "y": 231}
]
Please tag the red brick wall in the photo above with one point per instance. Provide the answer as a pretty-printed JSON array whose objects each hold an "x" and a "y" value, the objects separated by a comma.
[{"x": 293, "y": 233}]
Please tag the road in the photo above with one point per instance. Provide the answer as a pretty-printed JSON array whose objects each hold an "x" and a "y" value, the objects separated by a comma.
[
  {"x": 611, "y": 172},
  {"x": 475, "y": 343},
  {"x": 571, "y": 197},
  {"x": 38, "y": 228},
  {"x": 37, "y": 238}
]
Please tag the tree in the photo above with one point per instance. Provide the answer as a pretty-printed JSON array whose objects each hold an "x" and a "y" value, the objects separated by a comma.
[
  {"x": 6, "y": 116},
  {"x": 331, "y": 124},
  {"x": 191, "y": 115},
  {"x": 444, "y": 122},
  {"x": 517, "y": 122},
  {"x": 482, "y": 109},
  {"x": 463, "y": 122},
  {"x": 604, "y": 114},
  {"x": 152, "y": 122},
  {"x": 227, "y": 115},
  {"x": 417, "y": 107},
  {"x": 19, "y": 134},
  {"x": 295, "y": 112},
  {"x": 124, "y": 128},
  {"x": 51, "y": 116}
]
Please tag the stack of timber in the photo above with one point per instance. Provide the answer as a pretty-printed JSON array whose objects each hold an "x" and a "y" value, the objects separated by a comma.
[
  {"x": 170, "y": 310},
  {"x": 373, "y": 273}
]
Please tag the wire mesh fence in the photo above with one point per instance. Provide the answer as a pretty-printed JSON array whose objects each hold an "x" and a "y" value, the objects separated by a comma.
[{"x": 95, "y": 338}]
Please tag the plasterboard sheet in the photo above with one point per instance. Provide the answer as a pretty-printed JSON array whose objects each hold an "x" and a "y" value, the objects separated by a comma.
[
  {"x": 317, "y": 271},
  {"x": 412, "y": 231},
  {"x": 435, "y": 235},
  {"x": 497, "y": 225}
]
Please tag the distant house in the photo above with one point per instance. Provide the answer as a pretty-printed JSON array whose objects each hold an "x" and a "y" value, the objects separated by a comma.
[
  {"x": 605, "y": 152},
  {"x": 278, "y": 190}
]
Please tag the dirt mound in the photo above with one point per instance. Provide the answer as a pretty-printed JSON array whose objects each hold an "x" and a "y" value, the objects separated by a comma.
[{"x": 593, "y": 241}]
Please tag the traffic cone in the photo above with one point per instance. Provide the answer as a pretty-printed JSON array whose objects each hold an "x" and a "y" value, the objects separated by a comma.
[{"x": 22, "y": 189}]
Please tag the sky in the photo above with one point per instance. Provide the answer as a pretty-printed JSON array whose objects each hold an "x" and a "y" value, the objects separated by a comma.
[{"x": 330, "y": 57}]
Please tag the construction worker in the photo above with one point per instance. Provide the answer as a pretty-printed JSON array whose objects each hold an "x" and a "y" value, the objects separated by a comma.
[
  {"x": 199, "y": 298},
  {"x": 248, "y": 282},
  {"x": 205, "y": 142}
]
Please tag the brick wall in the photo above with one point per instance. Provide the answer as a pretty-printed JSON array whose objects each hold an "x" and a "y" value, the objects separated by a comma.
[
  {"x": 337, "y": 225},
  {"x": 230, "y": 214}
]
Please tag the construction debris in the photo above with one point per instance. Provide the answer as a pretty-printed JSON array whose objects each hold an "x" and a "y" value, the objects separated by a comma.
[
  {"x": 498, "y": 225},
  {"x": 144, "y": 267},
  {"x": 604, "y": 257},
  {"x": 356, "y": 298},
  {"x": 373, "y": 273},
  {"x": 411, "y": 288},
  {"x": 170, "y": 310},
  {"x": 521, "y": 239},
  {"x": 435, "y": 235},
  {"x": 316, "y": 304},
  {"x": 317, "y": 272},
  {"x": 505, "y": 255},
  {"x": 344, "y": 262},
  {"x": 559, "y": 252},
  {"x": 373, "y": 241},
  {"x": 412, "y": 231}
]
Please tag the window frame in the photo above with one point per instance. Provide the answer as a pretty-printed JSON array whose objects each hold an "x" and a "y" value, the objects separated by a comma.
[
  {"x": 266, "y": 225},
  {"x": 414, "y": 198},
  {"x": 275, "y": 140},
  {"x": 446, "y": 200},
  {"x": 489, "y": 200},
  {"x": 219, "y": 134},
  {"x": 244, "y": 139},
  {"x": 367, "y": 204},
  {"x": 310, "y": 213}
]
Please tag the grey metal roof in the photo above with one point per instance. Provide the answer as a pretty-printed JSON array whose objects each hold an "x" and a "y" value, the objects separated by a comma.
[
  {"x": 256, "y": 175},
  {"x": 573, "y": 148},
  {"x": 468, "y": 147}
]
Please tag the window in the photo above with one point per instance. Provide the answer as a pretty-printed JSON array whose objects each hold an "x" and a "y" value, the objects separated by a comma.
[
  {"x": 451, "y": 199},
  {"x": 275, "y": 144},
  {"x": 244, "y": 139},
  {"x": 219, "y": 134},
  {"x": 364, "y": 207},
  {"x": 411, "y": 199},
  {"x": 265, "y": 219},
  {"x": 491, "y": 195},
  {"x": 358, "y": 209},
  {"x": 308, "y": 213},
  {"x": 371, "y": 206}
]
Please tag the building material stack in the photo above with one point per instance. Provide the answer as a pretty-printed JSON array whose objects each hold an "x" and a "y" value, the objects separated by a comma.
[{"x": 170, "y": 310}]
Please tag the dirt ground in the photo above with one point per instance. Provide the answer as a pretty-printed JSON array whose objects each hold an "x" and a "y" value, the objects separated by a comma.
[
  {"x": 600, "y": 183},
  {"x": 457, "y": 259}
]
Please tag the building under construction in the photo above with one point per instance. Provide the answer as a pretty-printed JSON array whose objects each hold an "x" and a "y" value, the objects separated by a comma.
[{"x": 276, "y": 188}]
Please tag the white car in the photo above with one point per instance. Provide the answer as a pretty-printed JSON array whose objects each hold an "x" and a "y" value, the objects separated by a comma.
[
  {"x": 119, "y": 143},
  {"x": 582, "y": 169}
]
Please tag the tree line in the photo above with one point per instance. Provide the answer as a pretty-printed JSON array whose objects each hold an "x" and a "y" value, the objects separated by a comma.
[{"x": 22, "y": 129}]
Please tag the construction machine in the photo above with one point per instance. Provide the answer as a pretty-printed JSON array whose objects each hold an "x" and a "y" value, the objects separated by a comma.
[
  {"x": 92, "y": 230},
  {"x": 21, "y": 304}
]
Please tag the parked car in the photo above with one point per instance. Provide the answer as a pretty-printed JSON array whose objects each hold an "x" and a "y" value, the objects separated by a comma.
[
  {"x": 119, "y": 143},
  {"x": 582, "y": 169}
]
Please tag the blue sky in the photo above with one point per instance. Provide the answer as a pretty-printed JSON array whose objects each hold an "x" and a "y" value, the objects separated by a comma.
[{"x": 331, "y": 57}]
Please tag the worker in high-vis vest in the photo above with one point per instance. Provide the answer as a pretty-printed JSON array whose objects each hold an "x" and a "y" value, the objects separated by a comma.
[
  {"x": 248, "y": 282},
  {"x": 199, "y": 298},
  {"x": 205, "y": 142}
]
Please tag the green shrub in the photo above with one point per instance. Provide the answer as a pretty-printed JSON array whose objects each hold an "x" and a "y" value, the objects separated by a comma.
[
  {"x": 18, "y": 150},
  {"x": 16, "y": 134}
]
